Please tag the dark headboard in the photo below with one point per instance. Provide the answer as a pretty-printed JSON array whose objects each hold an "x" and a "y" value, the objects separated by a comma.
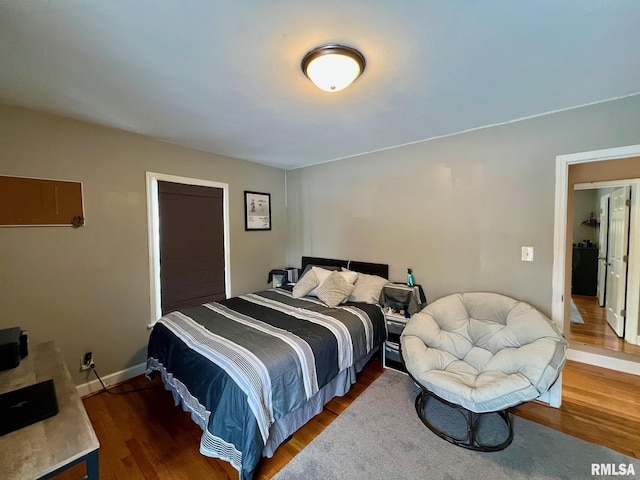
[{"x": 380, "y": 269}]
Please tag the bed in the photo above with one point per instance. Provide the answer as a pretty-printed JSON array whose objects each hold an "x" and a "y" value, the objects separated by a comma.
[{"x": 253, "y": 369}]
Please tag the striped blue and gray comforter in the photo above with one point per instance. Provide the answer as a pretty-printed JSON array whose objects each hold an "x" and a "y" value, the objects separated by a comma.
[{"x": 240, "y": 364}]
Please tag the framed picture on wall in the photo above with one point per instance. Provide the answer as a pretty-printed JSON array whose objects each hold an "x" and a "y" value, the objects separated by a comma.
[{"x": 257, "y": 211}]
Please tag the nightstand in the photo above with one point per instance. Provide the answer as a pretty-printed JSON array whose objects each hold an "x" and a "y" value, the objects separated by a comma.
[
  {"x": 391, "y": 357},
  {"x": 401, "y": 297},
  {"x": 282, "y": 276},
  {"x": 396, "y": 299}
]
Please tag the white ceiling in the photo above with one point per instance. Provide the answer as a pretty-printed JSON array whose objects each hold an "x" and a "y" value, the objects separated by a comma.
[{"x": 224, "y": 76}]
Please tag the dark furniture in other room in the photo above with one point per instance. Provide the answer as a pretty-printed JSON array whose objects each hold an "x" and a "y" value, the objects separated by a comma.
[{"x": 584, "y": 271}]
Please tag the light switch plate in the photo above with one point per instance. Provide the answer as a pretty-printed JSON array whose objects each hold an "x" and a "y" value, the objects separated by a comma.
[{"x": 527, "y": 254}]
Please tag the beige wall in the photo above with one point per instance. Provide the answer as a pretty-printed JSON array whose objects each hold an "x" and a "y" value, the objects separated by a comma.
[
  {"x": 88, "y": 288},
  {"x": 456, "y": 209}
]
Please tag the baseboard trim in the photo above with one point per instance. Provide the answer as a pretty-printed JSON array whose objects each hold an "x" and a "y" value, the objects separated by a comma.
[
  {"x": 94, "y": 386},
  {"x": 604, "y": 361}
]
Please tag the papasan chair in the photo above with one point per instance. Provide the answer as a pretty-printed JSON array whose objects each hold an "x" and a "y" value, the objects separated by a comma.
[{"x": 480, "y": 354}]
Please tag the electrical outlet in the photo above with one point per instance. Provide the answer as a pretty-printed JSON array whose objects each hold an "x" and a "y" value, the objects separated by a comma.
[
  {"x": 527, "y": 254},
  {"x": 86, "y": 361}
]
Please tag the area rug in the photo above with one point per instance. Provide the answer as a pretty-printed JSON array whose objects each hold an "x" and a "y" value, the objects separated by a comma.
[
  {"x": 379, "y": 436},
  {"x": 575, "y": 313}
]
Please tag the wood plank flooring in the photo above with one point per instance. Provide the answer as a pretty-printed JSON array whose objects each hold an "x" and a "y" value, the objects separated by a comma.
[
  {"x": 143, "y": 436},
  {"x": 598, "y": 405},
  {"x": 595, "y": 330}
]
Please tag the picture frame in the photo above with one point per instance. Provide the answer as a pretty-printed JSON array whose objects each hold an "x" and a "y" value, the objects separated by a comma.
[{"x": 257, "y": 211}]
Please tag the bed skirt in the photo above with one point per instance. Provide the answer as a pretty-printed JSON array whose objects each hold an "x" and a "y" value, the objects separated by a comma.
[{"x": 279, "y": 431}]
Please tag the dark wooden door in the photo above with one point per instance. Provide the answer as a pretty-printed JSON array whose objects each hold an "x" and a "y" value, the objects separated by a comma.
[{"x": 191, "y": 245}]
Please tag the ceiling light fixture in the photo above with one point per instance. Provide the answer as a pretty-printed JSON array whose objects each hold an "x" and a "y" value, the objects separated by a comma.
[{"x": 333, "y": 67}]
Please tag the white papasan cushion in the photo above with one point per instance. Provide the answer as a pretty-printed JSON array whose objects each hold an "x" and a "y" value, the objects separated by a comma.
[{"x": 484, "y": 351}]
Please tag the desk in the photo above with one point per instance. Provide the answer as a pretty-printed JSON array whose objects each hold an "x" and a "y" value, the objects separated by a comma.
[{"x": 46, "y": 448}]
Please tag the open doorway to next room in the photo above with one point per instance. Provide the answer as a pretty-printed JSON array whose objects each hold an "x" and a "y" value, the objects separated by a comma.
[{"x": 602, "y": 233}]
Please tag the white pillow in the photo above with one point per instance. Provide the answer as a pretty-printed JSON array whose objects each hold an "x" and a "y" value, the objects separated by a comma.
[
  {"x": 322, "y": 274},
  {"x": 349, "y": 275},
  {"x": 367, "y": 288},
  {"x": 334, "y": 290}
]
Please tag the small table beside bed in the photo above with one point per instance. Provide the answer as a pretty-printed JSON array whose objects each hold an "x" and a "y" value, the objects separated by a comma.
[{"x": 253, "y": 369}]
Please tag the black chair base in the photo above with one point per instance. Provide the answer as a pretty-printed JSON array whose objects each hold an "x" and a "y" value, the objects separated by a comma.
[{"x": 473, "y": 421}]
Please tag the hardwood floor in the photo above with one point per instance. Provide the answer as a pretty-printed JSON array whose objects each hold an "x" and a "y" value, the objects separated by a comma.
[
  {"x": 143, "y": 436},
  {"x": 595, "y": 330},
  {"x": 598, "y": 405}
]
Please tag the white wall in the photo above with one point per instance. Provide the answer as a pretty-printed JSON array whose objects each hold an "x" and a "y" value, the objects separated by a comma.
[{"x": 456, "y": 209}]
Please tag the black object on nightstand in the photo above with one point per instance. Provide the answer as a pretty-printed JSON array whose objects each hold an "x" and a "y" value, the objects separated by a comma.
[
  {"x": 13, "y": 347},
  {"x": 282, "y": 276}
]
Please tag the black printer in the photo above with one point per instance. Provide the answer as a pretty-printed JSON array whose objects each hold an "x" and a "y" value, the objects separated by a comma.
[{"x": 13, "y": 347}]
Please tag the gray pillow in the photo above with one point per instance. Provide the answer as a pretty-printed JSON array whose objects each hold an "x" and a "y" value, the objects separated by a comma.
[
  {"x": 334, "y": 290},
  {"x": 308, "y": 282}
]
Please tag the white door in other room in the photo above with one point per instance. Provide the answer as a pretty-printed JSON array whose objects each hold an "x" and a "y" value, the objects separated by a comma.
[
  {"x": 616, "y": 285},
  {"x": 602, "y": 247}
]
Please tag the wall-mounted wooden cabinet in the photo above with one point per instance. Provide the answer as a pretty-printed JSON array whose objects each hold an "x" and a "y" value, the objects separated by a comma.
[{"x": 34, "y": 201}]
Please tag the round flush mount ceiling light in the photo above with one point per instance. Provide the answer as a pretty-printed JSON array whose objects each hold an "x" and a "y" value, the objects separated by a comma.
[{"x": 333, "y": 67}]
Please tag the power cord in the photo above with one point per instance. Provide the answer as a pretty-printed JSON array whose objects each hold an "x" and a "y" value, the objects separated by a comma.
[{"x": 108, "y": 390}]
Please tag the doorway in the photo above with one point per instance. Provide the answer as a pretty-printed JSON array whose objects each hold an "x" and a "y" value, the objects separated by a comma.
[
  {"x": 153, "y": 223},
  {"x": 599, "y": 266},
  {"x": 601, "y": 165}
]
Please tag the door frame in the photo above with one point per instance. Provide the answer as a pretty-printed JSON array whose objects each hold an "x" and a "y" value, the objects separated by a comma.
[
  {"x": 560, "y": 250},
  {"x": 153, "y": 236},
  {"x": 603, "y": 240},
  {"x": 633, "y": 263}
]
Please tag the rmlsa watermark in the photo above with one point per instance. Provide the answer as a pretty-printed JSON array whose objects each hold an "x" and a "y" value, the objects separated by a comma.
[{"x": 612, "y": 469}]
